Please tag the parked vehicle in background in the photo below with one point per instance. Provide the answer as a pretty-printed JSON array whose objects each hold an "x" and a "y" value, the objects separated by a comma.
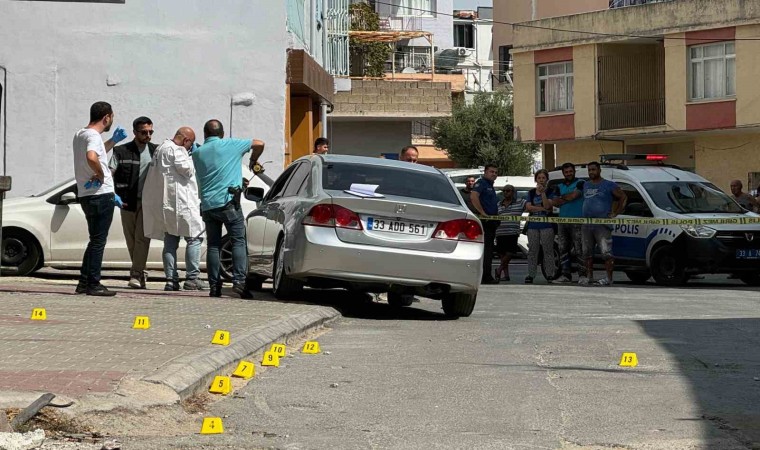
[
  {"x": 459, "y": 176},
  {"x": 49, "y": 230},
  {"x": 367, "y": 225},
  {"x": 671, "y": 254}
]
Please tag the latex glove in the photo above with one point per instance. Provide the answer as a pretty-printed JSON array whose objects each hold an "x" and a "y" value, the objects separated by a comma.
[
  {"x": 119, "y": 135},
  {"x": 93, "y": 184},
  {"x": 193, "y": 148},
  {"x": 117, "y": 200}
]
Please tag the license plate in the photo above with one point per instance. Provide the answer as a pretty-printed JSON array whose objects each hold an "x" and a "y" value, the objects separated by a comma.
[
  {"x": 384, "y": 225},
  {"x": 748, "y": 253}
]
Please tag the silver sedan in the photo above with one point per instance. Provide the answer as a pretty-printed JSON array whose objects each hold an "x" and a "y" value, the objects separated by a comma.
[{"x": 369, "y": 225}]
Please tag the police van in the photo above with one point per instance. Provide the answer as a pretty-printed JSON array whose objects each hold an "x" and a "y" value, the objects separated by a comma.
[{"x": 671, "y": 254}]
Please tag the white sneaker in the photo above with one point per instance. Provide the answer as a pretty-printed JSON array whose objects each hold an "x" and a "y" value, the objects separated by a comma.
[
  {"x": 583, "y": 281},
  {"x": 604, "y": 282},
  {"x": 563, "y": 279}
]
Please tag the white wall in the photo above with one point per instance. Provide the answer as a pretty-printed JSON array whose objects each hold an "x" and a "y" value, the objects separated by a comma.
[
  {"x": 179, "y": 62},
  {"x": 369, "y": 138}
]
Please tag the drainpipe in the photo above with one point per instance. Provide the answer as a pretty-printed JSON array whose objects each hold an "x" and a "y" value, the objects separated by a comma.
[{"x": 323, "y": 113}]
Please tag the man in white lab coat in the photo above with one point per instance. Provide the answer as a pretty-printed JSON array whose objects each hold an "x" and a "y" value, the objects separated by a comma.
[{"x": 171, "y": 208}]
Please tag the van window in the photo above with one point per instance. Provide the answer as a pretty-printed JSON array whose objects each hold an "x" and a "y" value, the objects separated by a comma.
[
  {"x": 636, "y": 205},
  {"x": 691, "y": 197}
]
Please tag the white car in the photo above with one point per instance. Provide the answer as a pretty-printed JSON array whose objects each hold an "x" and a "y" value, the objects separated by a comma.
[{"x": 49, "y": 230}]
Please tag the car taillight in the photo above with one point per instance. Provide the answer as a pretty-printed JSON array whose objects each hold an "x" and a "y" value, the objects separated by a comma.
[
  {"x": 333, "y": 216},
  {"x": 460, "y": 229},
  {"x": 321, "y": 214}
]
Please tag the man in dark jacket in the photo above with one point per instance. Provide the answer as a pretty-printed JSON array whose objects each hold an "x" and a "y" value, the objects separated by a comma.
[{"x": 129, "y": 165}]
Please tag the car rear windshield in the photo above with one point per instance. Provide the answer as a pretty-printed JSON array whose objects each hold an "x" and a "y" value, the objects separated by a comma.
[
  {"x": 691, "y": 197},
  {"x": 391, "y": 181}
]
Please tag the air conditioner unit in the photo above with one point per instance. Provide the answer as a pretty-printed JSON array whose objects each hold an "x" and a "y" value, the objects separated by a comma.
[{"x": 462, "y": 51}]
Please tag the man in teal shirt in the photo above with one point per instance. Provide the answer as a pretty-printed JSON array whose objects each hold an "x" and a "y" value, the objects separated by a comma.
[
  {"x": 569, "y": 199},
  {"x": 218, "y": 168}
]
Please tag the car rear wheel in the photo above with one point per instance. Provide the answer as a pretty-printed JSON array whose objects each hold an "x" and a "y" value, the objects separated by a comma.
[
  {"x": 667, "y": 267},
  {"x": 20, "y": 252},
  {"x": 751, "y": 279},
  {"x": 460, "y": 304},
  {"x": 638, "y": 277},
  {"x": 400, "y": 300},
  {"x": 283, "y": 286}
]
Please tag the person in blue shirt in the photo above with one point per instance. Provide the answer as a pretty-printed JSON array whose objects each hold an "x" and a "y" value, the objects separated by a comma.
[
  {"x": 568, "y": 196},
  {"x": 540, "y": 235},
  {"x": 486, "y": 203},
  {"x": 599, "y": 197},
  {"x": 219, "y": 170}
]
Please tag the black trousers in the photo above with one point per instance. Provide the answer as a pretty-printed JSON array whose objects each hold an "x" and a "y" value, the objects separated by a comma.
[{"x": 489, "y": 235}]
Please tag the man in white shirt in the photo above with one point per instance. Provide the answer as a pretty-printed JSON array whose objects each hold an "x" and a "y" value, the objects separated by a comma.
[
  {"x": 172, "y": 208},
  {"x": 95, "y": 189}
]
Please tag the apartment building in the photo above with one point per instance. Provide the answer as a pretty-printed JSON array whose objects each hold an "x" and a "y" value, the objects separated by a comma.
[
  {"x": 317, "y": 52},
  {"x": 675, "y": 77},
  {"x": 515, "y": 11}
]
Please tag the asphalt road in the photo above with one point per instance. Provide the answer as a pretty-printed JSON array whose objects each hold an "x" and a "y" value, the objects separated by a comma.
[{"x": 533, "y": 367}]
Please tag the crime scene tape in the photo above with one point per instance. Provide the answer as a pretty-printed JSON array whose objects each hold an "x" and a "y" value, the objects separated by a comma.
[{"x": 632, "y": 221}]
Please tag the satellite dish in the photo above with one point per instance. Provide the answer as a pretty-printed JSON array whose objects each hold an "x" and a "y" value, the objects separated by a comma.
[{"x": 409, "y": 70}]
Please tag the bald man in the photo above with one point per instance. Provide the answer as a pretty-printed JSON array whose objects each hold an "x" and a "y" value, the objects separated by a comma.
[
  {"x": 172, "y": 208},
  {"x": 744, "y": 200}
]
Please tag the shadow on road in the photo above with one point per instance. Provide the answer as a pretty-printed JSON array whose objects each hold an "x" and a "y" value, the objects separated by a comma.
[
  {"x": 721, "y": 360},
  {"x": 359, "y": 305}
]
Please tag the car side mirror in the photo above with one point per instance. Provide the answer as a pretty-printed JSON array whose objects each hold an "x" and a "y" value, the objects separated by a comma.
[
  {"x": 254, "y": 194},
  {"x": 68, "y": 198}
]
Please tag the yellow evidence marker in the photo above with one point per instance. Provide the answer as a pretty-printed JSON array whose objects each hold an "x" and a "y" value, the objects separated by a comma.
[
  {"x": 221, "y": 337},
  {"x": 39, "y": 314},
  {"x": 141, "y": 323},
  {"x": 629, "y": 360},
  {"x": 221, "y": 385},
  {"x": 279, "y": 349},
  {"x": 270, "y": 359},
  {"x": 244, "y": 370},
  {"x": 311, "y": 347},
  {"x": 212, "y": 425}
]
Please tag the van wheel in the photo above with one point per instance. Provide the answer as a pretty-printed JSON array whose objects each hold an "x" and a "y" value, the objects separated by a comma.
[
  {"x": 20, "y": 252},
  {"x": 668, "y": 268},
  {"x": 283, "y": 286},
  {"x": 557, "y": 264},
  {"x": 460, "y": 304},
  {"x": 638, "y": 277}
]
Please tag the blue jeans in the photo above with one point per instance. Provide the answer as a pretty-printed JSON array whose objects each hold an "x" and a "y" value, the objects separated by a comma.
[
  {"x": 192, "y": 257},
  {"x": 233, "y": 221},
  {"x": 98, "y": 210}
]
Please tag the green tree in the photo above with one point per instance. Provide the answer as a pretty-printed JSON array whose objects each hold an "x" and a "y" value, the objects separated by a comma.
[
  {"x": 482, "y": 132},
  {"x": 367, "y": 58}
]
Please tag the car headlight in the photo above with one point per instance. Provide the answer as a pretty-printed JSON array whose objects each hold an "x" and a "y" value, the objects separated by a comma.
[{"x": 698, "y": 231}]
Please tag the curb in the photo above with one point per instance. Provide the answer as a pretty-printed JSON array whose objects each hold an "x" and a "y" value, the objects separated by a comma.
[{"x": 191, "y": 374}]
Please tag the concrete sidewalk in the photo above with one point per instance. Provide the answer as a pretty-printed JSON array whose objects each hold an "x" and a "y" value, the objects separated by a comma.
[{"x": 87, "y": 351}]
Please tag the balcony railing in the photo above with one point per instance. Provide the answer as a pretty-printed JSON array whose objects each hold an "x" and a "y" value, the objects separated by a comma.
[
  {"x": 642, "y": 113},
  {"x": 631, "y": 86}
]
